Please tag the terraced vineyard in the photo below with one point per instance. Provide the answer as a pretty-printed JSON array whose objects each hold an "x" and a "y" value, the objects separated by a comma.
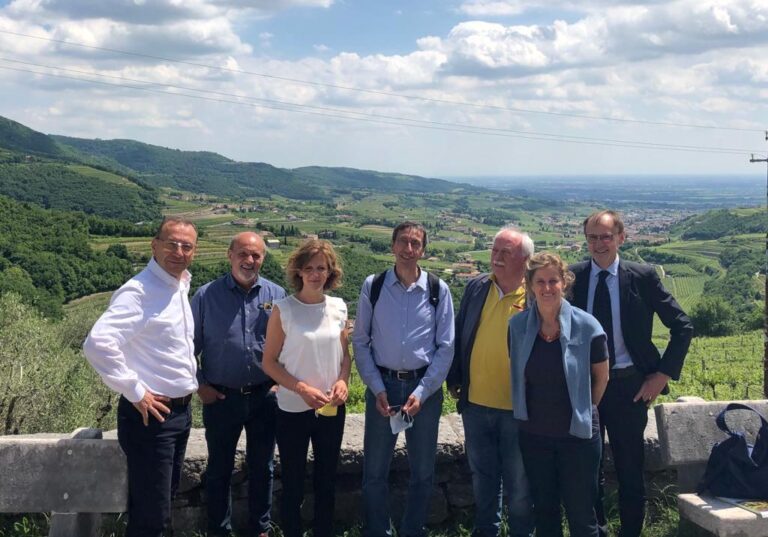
[
  {"x": 722, "y": 368},
  {"x": 686, "y": 289}
]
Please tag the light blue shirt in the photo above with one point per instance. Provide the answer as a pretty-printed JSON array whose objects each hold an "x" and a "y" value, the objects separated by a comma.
[
  {"x": 406, "y": 333},
  {"x": 623, "y": 359}
]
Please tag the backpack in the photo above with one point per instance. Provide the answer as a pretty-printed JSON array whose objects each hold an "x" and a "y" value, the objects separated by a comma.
[
  {"x": 433, "y": 283},
  {"x": 736, "y": 469}
]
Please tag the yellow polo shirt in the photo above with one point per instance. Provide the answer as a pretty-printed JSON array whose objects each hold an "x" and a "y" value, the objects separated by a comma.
[{"x": 490, "y": 380}]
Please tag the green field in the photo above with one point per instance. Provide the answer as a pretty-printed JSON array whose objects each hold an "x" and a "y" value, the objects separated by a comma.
[
  {"x": 722, "y": 368},
  {"x": 101, "y": 175}
]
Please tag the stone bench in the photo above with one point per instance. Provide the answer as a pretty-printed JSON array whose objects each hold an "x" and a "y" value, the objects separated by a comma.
[
  {"x": 687, "y": 432},
  {"x": 76, "y": 478}
]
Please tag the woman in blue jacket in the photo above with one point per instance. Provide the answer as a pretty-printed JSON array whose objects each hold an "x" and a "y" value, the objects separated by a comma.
[{"x": 559, "y": 373}]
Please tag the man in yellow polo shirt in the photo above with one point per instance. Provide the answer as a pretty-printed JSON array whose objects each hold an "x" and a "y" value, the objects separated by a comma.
[{"x": 480, "y": 379}]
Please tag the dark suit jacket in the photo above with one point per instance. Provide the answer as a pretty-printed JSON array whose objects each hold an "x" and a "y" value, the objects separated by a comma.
[
  {"x": 641, "y": 295},
  {"x": 467, "y": 321}
]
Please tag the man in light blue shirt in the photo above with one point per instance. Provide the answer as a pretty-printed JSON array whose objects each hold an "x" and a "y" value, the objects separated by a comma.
[{"x": 403, "y": 345}]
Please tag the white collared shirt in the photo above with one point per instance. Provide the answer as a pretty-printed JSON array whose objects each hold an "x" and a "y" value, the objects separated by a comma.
[
  {"x": 623, "y": 359},
  {"x": 145, "y": 339}
]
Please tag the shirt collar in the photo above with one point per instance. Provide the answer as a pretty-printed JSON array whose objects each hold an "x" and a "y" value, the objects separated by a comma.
[
  {"x": 612, "y": 269},
  {"x": 514, "y": 292},
  {"x": 391, "y": 278},
  {"x": 155, "y": 268},
  {"x": 232, "y": 283}
]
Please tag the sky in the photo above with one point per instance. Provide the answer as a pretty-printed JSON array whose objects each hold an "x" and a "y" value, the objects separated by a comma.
[{"x": 441, "y": 88}]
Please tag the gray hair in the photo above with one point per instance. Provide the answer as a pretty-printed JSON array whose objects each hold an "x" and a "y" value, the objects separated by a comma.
[{"x": 526, "y": 244}]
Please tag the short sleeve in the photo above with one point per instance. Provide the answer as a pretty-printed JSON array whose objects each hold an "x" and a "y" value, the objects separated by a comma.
[{"x": 599, "y": 349}]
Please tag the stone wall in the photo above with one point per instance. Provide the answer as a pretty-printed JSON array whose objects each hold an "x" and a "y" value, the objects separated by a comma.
[{"x": 452, "y": 493}]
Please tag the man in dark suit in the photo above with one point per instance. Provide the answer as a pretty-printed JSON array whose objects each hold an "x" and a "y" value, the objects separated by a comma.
[{"x": 624, "y": 297}]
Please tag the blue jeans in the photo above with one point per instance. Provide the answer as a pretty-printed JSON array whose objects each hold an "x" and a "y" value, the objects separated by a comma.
[
  {"x": 224, "y": 420},
  {"x": 379, "y": 444},
  {"x": 563, "y": 469},
  {"x": 493, "y": 450}
]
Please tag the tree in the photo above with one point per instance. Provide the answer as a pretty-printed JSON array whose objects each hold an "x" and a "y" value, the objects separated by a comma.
[
  {"x": 118, "y": 250},
  {"x": 712, "y": 317}
]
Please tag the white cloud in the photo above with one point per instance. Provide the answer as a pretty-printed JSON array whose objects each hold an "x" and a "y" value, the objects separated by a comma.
[
  {"x": 682, "y": 60},
  {"x": 607, "y": 37},
  {"x": 493, "y": 8},
  {"x": 510, "y": 8}
]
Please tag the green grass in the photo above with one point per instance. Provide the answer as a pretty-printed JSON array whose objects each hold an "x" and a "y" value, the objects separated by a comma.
[
  {"x": 101, "y": 175},
  {"x": 662, "y": 521}
]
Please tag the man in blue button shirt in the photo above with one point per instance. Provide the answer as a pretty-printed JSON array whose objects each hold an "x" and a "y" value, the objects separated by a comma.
[
  {"x": 403, "y": 351},
  {"x": 231, "y": 315}
]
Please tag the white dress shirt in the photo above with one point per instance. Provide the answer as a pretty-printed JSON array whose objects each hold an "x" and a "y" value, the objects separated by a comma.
[
  {"x": 623, "y": 359},
  {"x": 145, "y": 339}
]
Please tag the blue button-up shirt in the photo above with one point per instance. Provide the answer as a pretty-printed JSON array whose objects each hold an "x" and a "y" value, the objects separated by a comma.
[
  {"x": 405, "y": 333},
  {"x": 230, "y": 329}
]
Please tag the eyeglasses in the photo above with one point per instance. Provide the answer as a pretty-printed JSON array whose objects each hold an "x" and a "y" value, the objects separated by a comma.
[
  {"x": 605, "y": 237},
  {"x": 173, "y": 246}
]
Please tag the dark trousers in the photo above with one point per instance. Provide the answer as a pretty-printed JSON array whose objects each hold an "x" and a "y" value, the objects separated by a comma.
[
  {"x": 625, "y": 423},
  {"x": 224, "y": 422},
  {"x": 155, "y": 454},
  {"x": 294, "y": 432},
  {"x": 562, "y": 469}
]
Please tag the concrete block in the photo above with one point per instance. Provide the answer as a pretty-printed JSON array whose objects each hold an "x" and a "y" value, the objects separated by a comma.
[
  {"x": 80, "y": 524},
  {"x": 63, "y": 475},
  {"x": 719, "y": 518},
  {"x": 687, "y": 431}
]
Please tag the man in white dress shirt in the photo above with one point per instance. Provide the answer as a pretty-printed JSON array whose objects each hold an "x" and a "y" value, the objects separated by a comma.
[{"x": 142, "y": 347}]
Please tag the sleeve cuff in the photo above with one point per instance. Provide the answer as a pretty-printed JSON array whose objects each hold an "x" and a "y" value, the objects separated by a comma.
[
  {"x": 419, "y": 393},
  {"x": 136, "y": 394}
]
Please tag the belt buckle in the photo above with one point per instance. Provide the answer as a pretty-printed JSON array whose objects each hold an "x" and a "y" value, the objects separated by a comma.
[{"x": 402, "y": 375}]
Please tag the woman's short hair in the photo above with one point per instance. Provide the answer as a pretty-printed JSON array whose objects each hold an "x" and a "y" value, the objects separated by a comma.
[
  {"x": 301, "y": 256},
  {"x": 543, "y": 260}
]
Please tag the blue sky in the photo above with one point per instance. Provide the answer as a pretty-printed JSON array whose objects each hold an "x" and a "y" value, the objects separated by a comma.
[{"x": 438, "y": 88}]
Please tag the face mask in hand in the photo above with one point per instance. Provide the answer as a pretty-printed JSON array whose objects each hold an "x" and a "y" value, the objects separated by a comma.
[{"x": 399, "y": 421}]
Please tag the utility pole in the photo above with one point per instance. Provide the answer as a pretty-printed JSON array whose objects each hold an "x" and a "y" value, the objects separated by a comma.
[{"x": 765, "y": 311}]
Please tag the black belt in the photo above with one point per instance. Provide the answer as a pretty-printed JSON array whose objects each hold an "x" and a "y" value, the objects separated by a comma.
[
  {"x": 180, "y": 402},
  {"x": 243, "y": 390},
  {"x": 403, "y": 374},
  {"x": 623, "y": 373}
]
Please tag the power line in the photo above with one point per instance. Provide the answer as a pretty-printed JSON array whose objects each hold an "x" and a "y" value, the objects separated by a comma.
[
  {"x": 374, "y": 118},
  {"x": 406, "y": 120},
  {"x": 382, "y": 92}
]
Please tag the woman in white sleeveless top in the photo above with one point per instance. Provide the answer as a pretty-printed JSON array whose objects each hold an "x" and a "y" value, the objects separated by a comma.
[{"x": 306, "y": 353}]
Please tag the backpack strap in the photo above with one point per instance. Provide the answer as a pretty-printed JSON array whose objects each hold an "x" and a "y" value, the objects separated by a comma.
[
  {"x": 434, "y": 289},
  {"x": 376, "y": 285},
  {"x": 433, "y": 283}
]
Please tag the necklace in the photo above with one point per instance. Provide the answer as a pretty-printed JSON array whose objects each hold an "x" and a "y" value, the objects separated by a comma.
[{"x": 549, "y": 339}]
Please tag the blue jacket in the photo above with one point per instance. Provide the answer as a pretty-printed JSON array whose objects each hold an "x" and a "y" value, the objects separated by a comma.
[{"x": 577, "y": 330}]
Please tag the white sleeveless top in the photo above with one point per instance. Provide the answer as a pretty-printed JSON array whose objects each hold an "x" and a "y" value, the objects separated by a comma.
[{"x": 312, "y": 348}]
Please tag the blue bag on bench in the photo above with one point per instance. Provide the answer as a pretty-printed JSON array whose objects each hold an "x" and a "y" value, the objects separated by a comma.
[{"x": 736, "y": 469}]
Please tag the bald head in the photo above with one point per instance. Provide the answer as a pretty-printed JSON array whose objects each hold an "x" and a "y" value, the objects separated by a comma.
[{"x": 246, "y": 255}]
